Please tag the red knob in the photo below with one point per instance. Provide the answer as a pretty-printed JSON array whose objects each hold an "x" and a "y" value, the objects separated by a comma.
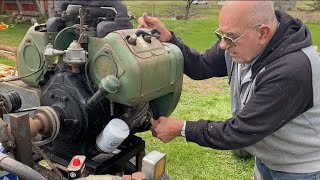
[{"x": 76, "y": 161}]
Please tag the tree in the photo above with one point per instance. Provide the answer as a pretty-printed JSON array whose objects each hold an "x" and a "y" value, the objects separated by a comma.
[
  {"x": 188, "y": 6},
  {"x": 285, "y": 5},
  {"x": 41, "y": 7},
  {"x": 50, "y": 8},
  {"x": 315, "y": 6}
]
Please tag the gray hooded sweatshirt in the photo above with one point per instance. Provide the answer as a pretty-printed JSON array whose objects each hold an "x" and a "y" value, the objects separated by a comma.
[{"x": 276, "y": 108}]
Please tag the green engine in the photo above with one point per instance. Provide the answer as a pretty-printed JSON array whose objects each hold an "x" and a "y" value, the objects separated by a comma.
[{"x": 91, "y": 67}]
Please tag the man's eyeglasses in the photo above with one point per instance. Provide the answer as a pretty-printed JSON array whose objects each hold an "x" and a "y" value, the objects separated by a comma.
[{"x": 232, "y": 42}]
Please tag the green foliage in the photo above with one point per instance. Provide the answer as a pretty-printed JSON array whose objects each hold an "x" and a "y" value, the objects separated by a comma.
[
  {"x": 315, "y": 5},
  {"x": 308, "y": 5},
  {"x": 171, "y": 9},
  {"x": 315, "y": 29}
]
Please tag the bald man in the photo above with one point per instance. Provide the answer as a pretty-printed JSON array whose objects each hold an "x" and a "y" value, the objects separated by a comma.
[{"x": 274, "y": 77}]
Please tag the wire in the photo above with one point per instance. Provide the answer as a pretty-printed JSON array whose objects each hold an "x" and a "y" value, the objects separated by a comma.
[
  {"x": 87, "y": 77},
  {"x": 63, "y": 30},
  {"x": 21, "y": 77}
]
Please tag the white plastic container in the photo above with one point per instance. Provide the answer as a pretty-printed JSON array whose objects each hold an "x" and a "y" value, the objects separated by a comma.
[{"x": 112, "y": 135}]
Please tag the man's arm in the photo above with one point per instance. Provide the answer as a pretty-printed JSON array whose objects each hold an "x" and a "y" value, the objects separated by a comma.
[
  {"x": 210, "y": 63},
  {"x": 198, "y": 66},
  {"x": 283, "y": 91}
]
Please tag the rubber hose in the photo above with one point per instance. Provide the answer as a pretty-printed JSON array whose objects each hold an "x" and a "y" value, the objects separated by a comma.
[{"x": 17, "y": 168}]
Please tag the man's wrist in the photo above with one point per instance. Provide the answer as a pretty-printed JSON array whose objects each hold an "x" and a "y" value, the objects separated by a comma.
[
  {"x": 166, "y": 36},
  {"x": 183, "y": 130}
]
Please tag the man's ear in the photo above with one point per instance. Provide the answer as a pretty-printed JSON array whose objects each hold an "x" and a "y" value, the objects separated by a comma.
[{"x": 264, "y": 33}]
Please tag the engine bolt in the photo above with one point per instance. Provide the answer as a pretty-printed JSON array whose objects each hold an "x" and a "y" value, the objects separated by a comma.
[
  {"x": 51, "y": 95},
  {"x": 64, "y": 98}
]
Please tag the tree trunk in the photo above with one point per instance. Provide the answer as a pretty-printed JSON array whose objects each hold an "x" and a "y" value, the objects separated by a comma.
[
  {"x": 187, "y": 11},
  {"x": 20, "y": 9},
  {"x": 2, "y": 10},
  {"x": 50, "y": 8},
  {"x": 41, "y": 7}
]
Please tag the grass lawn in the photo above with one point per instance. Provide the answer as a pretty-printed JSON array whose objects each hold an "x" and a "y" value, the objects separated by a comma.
[
  {"x": 208, "y": 99},
  {"x": 7, "y": 62},
  {"x": 13, "y": 36}
]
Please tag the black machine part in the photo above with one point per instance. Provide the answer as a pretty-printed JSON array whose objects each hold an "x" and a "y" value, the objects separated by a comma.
[
  {"x": 11, "y": 101},
  {"x": 96, "y": 14},
  {"x": 67, "y": 93}
]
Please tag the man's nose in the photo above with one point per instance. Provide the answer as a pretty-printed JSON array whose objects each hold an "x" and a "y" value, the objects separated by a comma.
[{"x": 223, "y": 44}]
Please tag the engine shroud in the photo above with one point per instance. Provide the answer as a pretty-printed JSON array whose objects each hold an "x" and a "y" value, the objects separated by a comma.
[{"x": 150, "y": 72}]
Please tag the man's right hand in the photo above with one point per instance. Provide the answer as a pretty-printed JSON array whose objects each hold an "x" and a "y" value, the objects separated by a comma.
[
  {"x": 152, "y": 22},
  {"x": 166, "y": 129}
]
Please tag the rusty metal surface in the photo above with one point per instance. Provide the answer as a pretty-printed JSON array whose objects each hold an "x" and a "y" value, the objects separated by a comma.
[
  {"x": 42, "y": 123},
  {"x": 48, "y": 174},
  {"x": 4, "y": 136},
  {"x": 49, "y": 162},
  {"x": 21, "y": 131},
  {"x": 3, "y": 131},
  {"x": 46, "y": 122}
]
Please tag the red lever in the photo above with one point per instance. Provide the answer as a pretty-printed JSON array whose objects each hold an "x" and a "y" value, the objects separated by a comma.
[{"x": 76, "y": 161}]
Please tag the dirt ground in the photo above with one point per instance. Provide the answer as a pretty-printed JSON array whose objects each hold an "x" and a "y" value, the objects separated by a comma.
[{"x": 6, "y": 70}]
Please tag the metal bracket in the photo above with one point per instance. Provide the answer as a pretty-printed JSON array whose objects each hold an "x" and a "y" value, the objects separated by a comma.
[{"x": 20, "y": 129}]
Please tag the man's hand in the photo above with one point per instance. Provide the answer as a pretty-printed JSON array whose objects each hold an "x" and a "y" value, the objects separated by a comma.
[
  {"x": 152, "y": 22},
  {"x": 166, "y": 129}
]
